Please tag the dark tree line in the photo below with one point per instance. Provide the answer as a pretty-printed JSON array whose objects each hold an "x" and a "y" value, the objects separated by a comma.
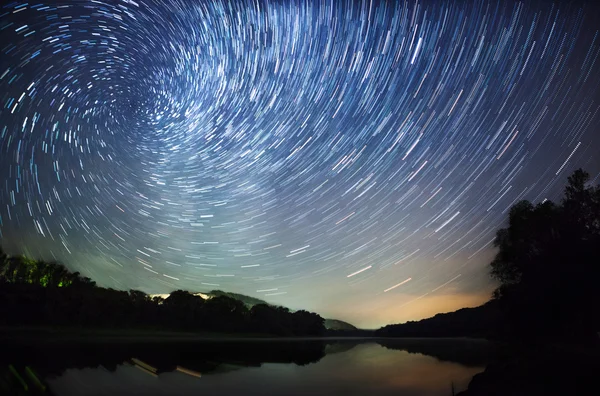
[
  {"x": 35, "y": 293},
  {"x": 481, "y": 322}
]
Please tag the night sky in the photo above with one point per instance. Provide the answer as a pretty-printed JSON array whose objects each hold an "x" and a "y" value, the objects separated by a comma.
[{"x": 350, "y": 158}]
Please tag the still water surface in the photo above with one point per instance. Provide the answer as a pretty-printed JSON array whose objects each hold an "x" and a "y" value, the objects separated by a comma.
[{"x": 324, "y": 367}]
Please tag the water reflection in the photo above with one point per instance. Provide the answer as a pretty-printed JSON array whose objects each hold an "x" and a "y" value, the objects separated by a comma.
[{"x": 348, "y": 367}]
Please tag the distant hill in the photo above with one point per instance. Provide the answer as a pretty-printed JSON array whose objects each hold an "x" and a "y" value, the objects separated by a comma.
[
  {"x": 249, "y": 301},
  {"x": 334, "y": 324},
  {"x": 483, "y": 321}
]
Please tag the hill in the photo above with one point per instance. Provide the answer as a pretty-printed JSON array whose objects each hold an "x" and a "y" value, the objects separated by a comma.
[
  {"x": 249, "y": 301},
  {"x": 483, "y": 321},
  {"x": 334, "y": 324}
]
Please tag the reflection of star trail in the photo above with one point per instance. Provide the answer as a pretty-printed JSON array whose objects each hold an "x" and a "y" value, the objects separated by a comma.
[{"x": 287, "y": 146}]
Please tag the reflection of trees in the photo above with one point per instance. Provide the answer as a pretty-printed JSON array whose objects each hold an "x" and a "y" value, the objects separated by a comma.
[
  {"x": 468, "y": 352},
  {"x": 205, "y": 357},
  {"x": 51, "y": 360},
  {"x": 340, "y": 346}
]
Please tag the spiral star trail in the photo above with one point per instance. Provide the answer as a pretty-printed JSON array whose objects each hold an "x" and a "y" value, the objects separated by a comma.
[{"x": 351, "y": 158}]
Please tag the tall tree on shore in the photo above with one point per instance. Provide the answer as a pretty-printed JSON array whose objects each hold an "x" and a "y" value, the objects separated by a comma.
[{"x": 548, "y": 261}]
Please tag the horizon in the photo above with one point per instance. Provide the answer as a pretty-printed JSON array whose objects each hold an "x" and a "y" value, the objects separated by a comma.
[
  {"x": 349, "y": 159},
  {"x": 206, "y": 294}
]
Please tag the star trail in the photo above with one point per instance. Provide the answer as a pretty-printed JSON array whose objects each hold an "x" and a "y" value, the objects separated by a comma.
[{"x": 351, "y": 158}]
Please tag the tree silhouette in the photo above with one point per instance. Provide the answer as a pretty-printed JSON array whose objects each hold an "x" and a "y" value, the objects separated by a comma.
[
  {"x": 224, "y": 313},
  {"x": 182, "y": 309},
  {"x": 548, "y": 262},
  {"x": 36, "y": 292}
]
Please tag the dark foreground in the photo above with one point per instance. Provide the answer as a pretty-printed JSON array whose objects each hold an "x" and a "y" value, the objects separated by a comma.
[{"x": 554, "y": 369}]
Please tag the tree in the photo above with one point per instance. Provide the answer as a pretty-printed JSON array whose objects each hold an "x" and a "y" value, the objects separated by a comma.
[
  {"x": 308, "y": 323},
  {"x": 271, "y": 320},
  {"x": 224, "y": 313},
  {"x": 76, "y": 280},
  {"x": 548, "y": 261},
  {"x": 183, "y": 309},
  {"x": 3, "y": 260},
  {"x": 15, "y": 270}
]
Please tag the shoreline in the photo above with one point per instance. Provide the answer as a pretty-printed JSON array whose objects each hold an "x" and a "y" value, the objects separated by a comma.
[{"x": 33, "y": 334}]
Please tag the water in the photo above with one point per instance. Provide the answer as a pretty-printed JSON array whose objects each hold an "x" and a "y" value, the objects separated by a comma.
[{"x": 321, "y": 367}]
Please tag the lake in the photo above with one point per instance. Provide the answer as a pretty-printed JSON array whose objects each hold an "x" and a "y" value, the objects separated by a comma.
[{"x": 316, "y": 367}]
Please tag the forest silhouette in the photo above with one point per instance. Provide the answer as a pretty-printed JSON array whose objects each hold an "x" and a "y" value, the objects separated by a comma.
[{"x": 40, "y": 293}]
